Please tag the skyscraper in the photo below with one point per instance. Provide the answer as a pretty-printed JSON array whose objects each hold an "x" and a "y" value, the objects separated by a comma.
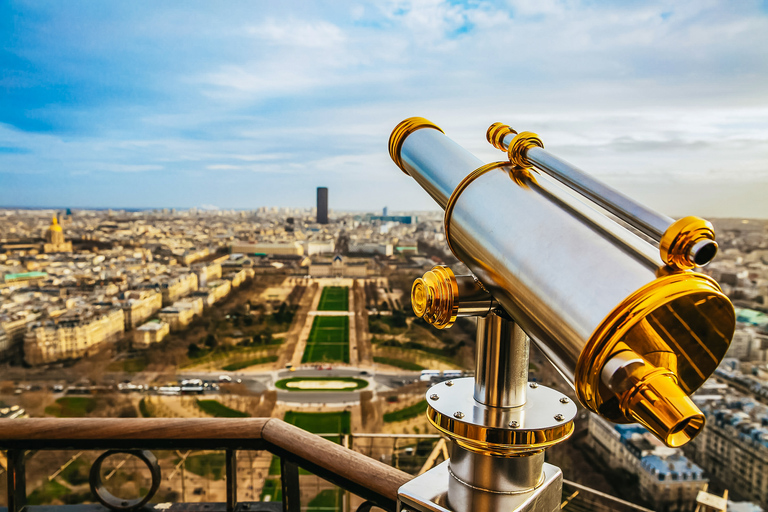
[{"x": 322, "y": 205}]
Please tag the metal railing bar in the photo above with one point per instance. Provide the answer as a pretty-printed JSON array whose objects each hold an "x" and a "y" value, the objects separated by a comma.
[
  {"x": 353, "y": 471},
  {"x": 607, "y": 497},
  {"x": 17, "y": 481},
  {"x": 289, "y": 478},
  {"x": 231, "y": 466}
]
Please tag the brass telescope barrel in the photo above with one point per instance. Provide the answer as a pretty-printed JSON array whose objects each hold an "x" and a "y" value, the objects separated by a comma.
[{"x": 634, "y": 336}]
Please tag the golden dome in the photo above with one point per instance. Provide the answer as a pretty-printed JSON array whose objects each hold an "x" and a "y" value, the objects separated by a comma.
[{"x": 54, "y": 225}]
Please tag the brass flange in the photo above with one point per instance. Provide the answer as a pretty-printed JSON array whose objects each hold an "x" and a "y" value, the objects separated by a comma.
[
  {"x": 687, "y": 243},
  {"x": 402, "y": 131},
  {"x": 680, "y": 323},
  {"x": 545, "y": 420},
  {"x": 520, "y": 145}
]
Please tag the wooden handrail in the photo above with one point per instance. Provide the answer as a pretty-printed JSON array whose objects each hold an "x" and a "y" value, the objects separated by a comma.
[
  {"x": 353, "y": 466},
  {"x": 343, "y": 466},
  {"x": 80, "y": 429}
]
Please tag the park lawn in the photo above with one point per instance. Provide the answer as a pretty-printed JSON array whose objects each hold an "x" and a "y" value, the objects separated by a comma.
[
  {"x": 328, "y": 340},
  {"x": 219, "y": 410},
  {"x": 48, "y": 492},
  {"x": 71, "y": 407},
  {"x": 272, "y": 488},
  {"x": 251, "y": 362},
  {"x": 359, "y": 383},
  {"x": 210, "y": 465},
  {"x": 329, "y": 499},
  {"x": 334, "y": 298},
  {"x": 407, "y": 413}
]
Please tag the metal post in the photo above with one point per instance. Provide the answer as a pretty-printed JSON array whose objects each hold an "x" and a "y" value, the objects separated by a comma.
[
  {"x": 231, "y": 462},
  {"x": 290, "y": 482},
  {"x": 17, "y": 483},
  {"x": 501, "y": 371}
]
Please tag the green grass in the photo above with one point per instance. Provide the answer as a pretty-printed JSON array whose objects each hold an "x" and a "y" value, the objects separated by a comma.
[
  {"x": 328, "y": 340},
  {"x": 273, "y": 487},
  {"x": 76, "y": 473},
  {"x": 143, "y": 409},
  {"x": 334, "y": 298},
  {"x": 283, "y": 384},
  {"x": 329, "y": 499},
  {"x": 219, "y": 410},
  {"x": 138, "y": 364},
  {"x": 48, "y": 492},
  {"x": 71, "y": 407},
  {"x": 317, "y": 423},
  {"x": 321, "y": 422},
  {"x": 399, "y": 363},
  {"x": 210, "y": 465},
  {"x": 251, "y": 362},
  {"x": 407, "y": 413}
]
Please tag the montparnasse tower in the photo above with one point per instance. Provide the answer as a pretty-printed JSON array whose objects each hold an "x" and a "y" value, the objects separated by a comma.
[{"x": 54, "y": 238}]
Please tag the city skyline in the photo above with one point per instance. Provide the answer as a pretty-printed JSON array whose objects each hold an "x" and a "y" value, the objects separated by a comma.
[{"x": 186, "y": 105}]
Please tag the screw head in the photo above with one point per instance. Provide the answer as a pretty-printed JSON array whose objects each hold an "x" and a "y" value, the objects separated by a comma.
[
  {"x": 433, "y": 396},
  {"x": 514, "y": 424},
  {"x": 564, "y": 400},
  {"x": 559, "y": 417},
  {"x": 533, "y": 385},
  {"x": 458, "y": 414},
  {"x": 449, "y": 383}
]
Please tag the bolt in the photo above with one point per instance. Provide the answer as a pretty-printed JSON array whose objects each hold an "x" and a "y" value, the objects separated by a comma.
[
  {"x": 433, "y": 396},
  {"x": 449, "y": 383},
  {"x": 458, "y": 414},
  {"x": 533, "y": 385},
  {"x": 514, "y": 424},
  {"x": 559, "y": 417},
  {"x": 564, "y": 400}
]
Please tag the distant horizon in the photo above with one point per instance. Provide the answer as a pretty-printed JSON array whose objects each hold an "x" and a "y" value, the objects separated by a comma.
[{"x": 143, "y": 103}]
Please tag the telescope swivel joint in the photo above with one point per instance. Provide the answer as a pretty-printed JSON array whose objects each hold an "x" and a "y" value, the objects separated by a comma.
[{"x": 439, "y": 297}]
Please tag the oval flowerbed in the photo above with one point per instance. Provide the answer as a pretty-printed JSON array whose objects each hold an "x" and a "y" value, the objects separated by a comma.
[{"x": 321, "y": 384}]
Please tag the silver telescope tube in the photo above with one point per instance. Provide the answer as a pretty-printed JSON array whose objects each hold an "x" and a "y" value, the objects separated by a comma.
[
  {"x": 685, "y": 244},
  {"x": 583, "y": 297}
]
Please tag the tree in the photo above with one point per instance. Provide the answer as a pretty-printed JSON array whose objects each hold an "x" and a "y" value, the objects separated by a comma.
[{"x": 211, "y": 341}]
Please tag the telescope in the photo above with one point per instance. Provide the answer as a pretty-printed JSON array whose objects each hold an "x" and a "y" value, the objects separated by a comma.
[{"x": 606, "y": 289}]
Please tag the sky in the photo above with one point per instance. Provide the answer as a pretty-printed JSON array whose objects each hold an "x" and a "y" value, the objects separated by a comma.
[{"x": 149, "y": 104}]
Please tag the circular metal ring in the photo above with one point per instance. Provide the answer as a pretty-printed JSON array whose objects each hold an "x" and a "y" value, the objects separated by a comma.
[{"x": 111, "y": 501}]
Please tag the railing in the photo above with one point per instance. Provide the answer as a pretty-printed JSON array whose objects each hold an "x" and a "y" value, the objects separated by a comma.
[{"x": 373, "y": 481}]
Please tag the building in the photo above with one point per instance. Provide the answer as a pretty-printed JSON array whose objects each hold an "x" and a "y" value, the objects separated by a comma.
[
  {"x": 667, "y": 479},
  {"x": 139, "y": 305},
  {"x": 173, "y": 288},
  {"x": 214, "y": 291},
  {"x": 320, "y": 247},
  {"x": 54, "y": 239},
  {"x": 153, "y": 331},
  {"x": 338, "y": 267},
  {"x": 371, "y": 248},
  {"x": 181, "y": 313},
  {"x": 206, "y": 272},
  {"x": 322, "y": 205},
  {"x": 401, "y": 219},
  {"x": 12, "y": 329},
  {"x": 72, "y": 335},
  {"x": 733, "y": 447},
  {"x": 268, "y": 248},
  {"x": 237, "y": 277}
]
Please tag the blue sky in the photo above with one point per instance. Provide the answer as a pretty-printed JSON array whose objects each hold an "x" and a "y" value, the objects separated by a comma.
[{"x": 248, "y": 104}]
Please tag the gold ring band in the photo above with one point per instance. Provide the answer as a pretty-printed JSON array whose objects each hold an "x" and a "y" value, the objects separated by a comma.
[
  {"x": 469, "y": 178},
  {"x": 402, "y": 131}
]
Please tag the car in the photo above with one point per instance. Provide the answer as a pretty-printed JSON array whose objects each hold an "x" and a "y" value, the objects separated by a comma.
[{"x": 225, "y": 378}]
